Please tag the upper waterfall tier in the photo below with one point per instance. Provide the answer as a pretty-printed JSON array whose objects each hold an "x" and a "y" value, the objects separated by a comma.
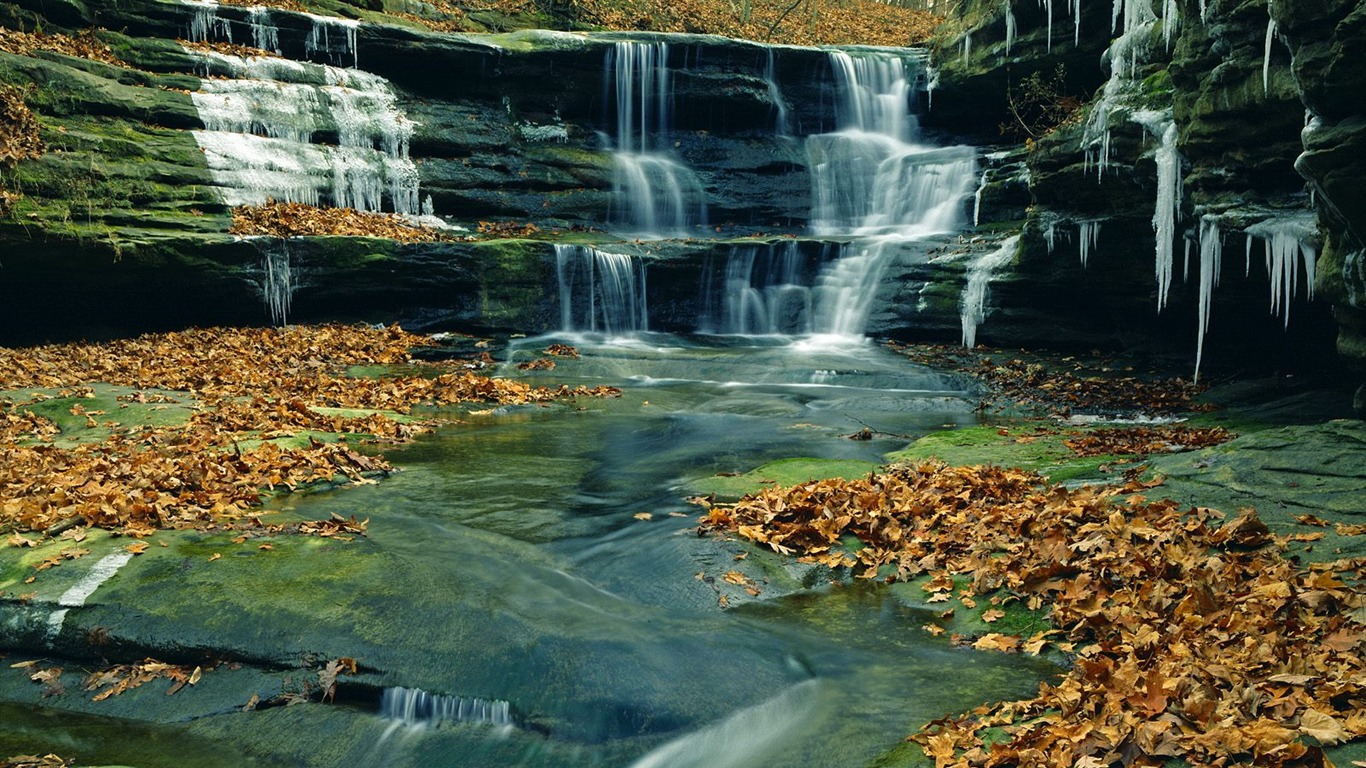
[
  {"x": 654, "y": 194},
  {"x": 874, "y": 176}
]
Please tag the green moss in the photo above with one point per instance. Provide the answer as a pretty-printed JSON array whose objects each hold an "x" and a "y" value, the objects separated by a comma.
[
  {"x": 565, "y": 155},
  {"x": 782, "y": 472},
  {"x": 1158, "y": 83},
  {"x": 513, "y": 275},
  {"x": 1044, "y": 453},
  {"x": 121, "y": 414}
]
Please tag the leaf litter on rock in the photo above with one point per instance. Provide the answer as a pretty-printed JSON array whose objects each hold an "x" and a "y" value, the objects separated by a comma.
[{"x": 1191, "y": 637}]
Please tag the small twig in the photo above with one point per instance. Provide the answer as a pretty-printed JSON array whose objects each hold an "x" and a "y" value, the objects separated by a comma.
[{"x": 877, "y": 431}]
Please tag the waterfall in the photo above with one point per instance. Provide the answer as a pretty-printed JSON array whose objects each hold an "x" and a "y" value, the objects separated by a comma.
[
  {"x": 600, "y": 292},
  {"x": 972, "y": 305},
  {"x": 413, "y": 707},
  {"x": 410, "y": 711},
  {"x": 261, "y": 128},
  {"x": 872, "y": 179},
  {"x": 763, "y": 290},
  {"x": 654, "y": 194},
  {"x": 782, "y": 121}
]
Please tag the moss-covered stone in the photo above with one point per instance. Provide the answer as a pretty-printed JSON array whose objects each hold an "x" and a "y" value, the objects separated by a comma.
[
  {"x": 782, "y": 473},
  {"x": 1042, "y": 453}
]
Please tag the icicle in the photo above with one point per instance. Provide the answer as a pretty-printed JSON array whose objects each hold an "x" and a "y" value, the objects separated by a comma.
[
  {"x": 1289, "y": 247},
  {"x": 967, "y": 47},
  {"x": 1088, "y": 236},
  {"x": 264, "y": 34},
  {"x": 1211, "y": 253},
  {"x": 1010, "y": 26},
  {"x": 1168, "y": 206},
  {"x": 972, "y": 306},
  {"x": 1048, "y": 7},
  {"x": 1076, "y": 22},
  {"x": 320, "y": 39},
  {"x": 205, "y": 23},
  {"x": 1266, "y": 55},
  {"x": 1168, "y": 22},
  {"x": 1049, "y": 235},
  {"x": 977, "y": 200},
  {"x": 277, "y": 281}
]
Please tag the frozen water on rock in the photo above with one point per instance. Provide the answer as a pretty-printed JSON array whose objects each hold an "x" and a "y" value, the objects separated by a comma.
[
  {"x": 1211, "y": 257},
  {"x": 1088, "y": 235},
  {"x": 1289, "y": 245},
  {"x": 972, "y": 305},
  {"x": 1168, "y": 208},
  {"x": 261, "y": 132},
  {"x": 1266, "y": 55},
  {"x": 333, "y": 38}
]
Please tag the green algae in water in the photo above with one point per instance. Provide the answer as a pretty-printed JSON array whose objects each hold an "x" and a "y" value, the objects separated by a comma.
[{"x": 96, "y": 740}]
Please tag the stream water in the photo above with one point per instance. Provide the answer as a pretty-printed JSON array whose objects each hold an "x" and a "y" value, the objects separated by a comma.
[{"x": 592, "y": 624}]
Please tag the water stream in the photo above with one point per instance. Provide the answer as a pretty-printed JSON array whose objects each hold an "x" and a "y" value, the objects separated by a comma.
[{"x": 592, "y": 623}]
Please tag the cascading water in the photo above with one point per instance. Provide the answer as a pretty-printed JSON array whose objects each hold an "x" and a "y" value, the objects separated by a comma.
[
  {"x": 763, "y": 289},
  {"x": 872, "y": 180},
  {"x": 600, "y": 292},
  {"x": 411, "y": 711},
  {"x": 654, "y": 194}
]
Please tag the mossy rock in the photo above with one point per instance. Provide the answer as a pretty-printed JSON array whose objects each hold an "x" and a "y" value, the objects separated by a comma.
[
  {"x": 783, "y": 472},
  {"x": 1038, "y": 452}
]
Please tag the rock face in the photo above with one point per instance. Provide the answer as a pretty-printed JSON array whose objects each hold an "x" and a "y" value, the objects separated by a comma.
[
  {"x": 1224, "y": 80},
  {"x": 1328, "y": 43},
  {"x": 1190, "y": 147}
]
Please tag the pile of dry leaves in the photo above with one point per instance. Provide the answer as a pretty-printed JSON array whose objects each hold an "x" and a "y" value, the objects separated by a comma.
[
  {"x": 806, "y": 22},
  {"x": 1191, "y": 640},
  {"x": 19, "y": 138},
  {"x": 1146, "y": 440},
  {"x": 298, "y": 220},
  {"x": 36, "y": 761},
  {"x": 244, "y": 384},
  {"x": 84, "y": 45},
  {"x": 1067, "y": 385}
]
